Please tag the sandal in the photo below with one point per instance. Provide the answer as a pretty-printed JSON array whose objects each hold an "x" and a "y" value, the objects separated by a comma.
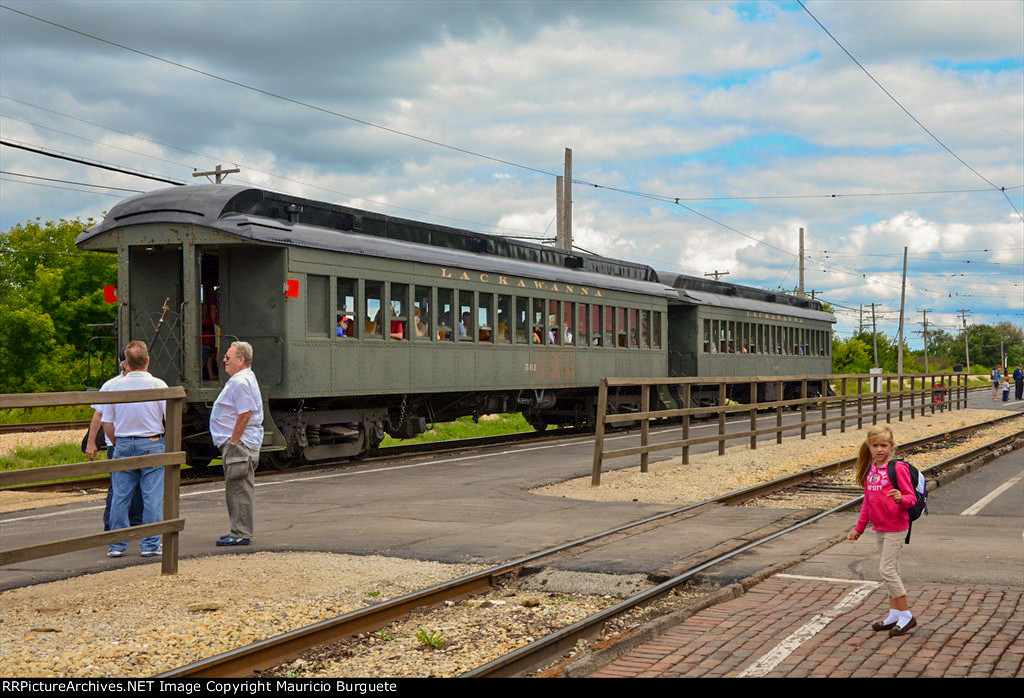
[{"x": 232, "y": 540}]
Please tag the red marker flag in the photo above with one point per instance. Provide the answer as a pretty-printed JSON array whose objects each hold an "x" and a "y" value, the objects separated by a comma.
[
  {"x": 110, "y": 294},
  {"x": 291, "y": 288}
]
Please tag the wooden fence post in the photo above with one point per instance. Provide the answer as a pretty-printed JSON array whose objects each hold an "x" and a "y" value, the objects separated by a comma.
[
  {"x": 602, "y": 409},
  {"x": 753, "y": 414},
  {"x": 803, "y": 409},
  {"x": 645, "y": 425},
  {"x": 721, "y": 419},
  {"x": 778, "y": 413},
  {"x": 842, "y": 408},
  {"x": 686, "y": 425}
]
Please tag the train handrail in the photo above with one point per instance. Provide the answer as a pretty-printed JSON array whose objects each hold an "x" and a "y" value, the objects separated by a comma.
[
  {"x": 171, "y": 460},
  {"x": 940, "y": 393}
]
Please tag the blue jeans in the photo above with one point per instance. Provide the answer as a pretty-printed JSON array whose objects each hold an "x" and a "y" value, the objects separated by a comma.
[
  {"x": 134, "y": 510},
  {"x": 149, "y": 481}
]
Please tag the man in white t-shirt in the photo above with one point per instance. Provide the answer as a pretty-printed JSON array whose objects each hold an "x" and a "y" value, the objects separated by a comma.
[
  {"x": 236, "y": 427},
  {"x": 136, "y": 429}
]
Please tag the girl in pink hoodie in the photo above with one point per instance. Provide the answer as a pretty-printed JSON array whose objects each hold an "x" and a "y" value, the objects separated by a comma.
[{"x": 885, "y": 506}]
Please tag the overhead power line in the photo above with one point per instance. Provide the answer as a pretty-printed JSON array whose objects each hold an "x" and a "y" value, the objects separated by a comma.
[
  {"x": 59, "y": 156},
  {"x": 907, "y": 112},
  {"x": 65, "y": 181}
]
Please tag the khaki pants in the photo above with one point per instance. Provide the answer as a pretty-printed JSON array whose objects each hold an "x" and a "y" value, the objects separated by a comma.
[
  {"x": 240, "y": 487},
  {"x": 889, "y": 546}
]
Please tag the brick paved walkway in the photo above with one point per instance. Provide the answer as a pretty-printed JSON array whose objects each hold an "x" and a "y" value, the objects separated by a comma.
[{"x": 797, "y": 627}]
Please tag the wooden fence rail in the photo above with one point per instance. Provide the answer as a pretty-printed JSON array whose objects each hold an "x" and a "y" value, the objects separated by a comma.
[
  {"x": 926, "y": 392},
  {"x": 171, "y": 460}
]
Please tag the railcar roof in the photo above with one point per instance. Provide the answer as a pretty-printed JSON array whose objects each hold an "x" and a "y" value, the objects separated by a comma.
[
  {"x": 751, "y": 305},
  {"x": 206, "y": 203}
]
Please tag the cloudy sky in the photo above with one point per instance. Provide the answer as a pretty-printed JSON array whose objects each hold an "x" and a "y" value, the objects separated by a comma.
[{"x": 748, "y": 113}]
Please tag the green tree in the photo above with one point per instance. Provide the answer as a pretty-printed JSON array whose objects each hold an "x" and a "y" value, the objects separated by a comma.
[{"x": 49, "y": 293}]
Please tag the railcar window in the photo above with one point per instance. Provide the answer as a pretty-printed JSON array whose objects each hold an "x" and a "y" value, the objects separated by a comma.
[
  {"x": 398, "y": 312},
  {"x": 538, "y": 334},
  {"x": 554, "y": 323},
  {"x": 317, "y": 311},
  {"x": 707, "y": 336},
  {"x": 634, "y": 327},
  {"x": 656, "y": 330},
  {"x": 522, "y": 311},
  {"x": 372, "y": 320},
  {"x": 445, "y": 312},
  {"x": 465, "y": 326},
  {"x": 645, "y": 329},
  {"x": 582, "y": 333},
  {"x": 485, "y": 317},
  {"x": 421, "y": 312},
  {"x": 596, "y": 334},
  {"x": 504, "y": 336},
  {"x": 609, "y": 326},
  {"x": 568, "y": 326},
  {"x": 347, "y": 312},
  {"x": 620, "y": 327}
]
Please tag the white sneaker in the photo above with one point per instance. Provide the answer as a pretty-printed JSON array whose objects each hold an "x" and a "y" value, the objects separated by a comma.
[
  {"x": 153, "y": 553},
  {"x": 115, "y": 553}
]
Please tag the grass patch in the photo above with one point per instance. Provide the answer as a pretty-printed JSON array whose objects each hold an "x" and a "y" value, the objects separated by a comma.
[
  {"x": 60, "y": 454},
  {"x": 466, "y": 428}
]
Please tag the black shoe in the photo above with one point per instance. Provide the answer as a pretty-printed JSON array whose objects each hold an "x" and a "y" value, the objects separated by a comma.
[
  {"x": 880, "y": 626},
  {"x": 904, "y": 630}
]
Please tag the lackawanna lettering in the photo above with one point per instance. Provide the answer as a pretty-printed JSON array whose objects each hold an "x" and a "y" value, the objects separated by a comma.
[
  {"x": 769, "y": 316},
  {"x": 521, "y": 283}
]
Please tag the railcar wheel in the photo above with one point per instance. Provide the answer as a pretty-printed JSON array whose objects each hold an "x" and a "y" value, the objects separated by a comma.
[{"x": 275, "y": 460}]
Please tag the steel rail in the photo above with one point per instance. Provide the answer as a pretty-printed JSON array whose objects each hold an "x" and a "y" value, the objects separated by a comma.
[
  {"x": 32, "y": 427},
  {"x": 276, "y": 650},
  {"x": 546, "y": 649}
]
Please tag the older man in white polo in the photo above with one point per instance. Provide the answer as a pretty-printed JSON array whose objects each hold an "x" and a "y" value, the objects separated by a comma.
[{"x": 236, "y": 426}]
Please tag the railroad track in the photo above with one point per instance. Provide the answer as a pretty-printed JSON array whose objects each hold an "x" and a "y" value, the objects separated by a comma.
[
  {"x": 283, "y": 648},
  {"x": 43, "y": 426}
]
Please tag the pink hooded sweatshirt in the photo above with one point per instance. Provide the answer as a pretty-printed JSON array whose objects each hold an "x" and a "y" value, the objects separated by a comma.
[{"x": 879, "y": 508}]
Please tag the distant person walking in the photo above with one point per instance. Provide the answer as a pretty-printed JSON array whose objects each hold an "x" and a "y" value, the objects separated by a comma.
[
  {"x": 136, "y": 429},
  {"x": 997, "y": 378},
  {"x": 1018, "y": 382},
  {"x": 236, "y": 426}
]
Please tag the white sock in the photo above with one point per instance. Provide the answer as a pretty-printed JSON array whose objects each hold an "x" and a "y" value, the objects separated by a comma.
[
  {"x": 893, "y": 616},
  {"x": 904, "y": 618}
]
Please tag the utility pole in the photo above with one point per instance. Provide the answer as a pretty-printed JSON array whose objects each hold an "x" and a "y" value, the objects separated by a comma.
[
  {"x": 559, "y": 211},
  {"x": 563, "y": 187},
  {"x": 924, "y": 324},
  {"x": 903, "y": 298},
  {"x": 860, "y": 322},
  {"x": 717, "y": 273},
  {"x": 874, "y": 333},
  {"x": 220, "y": 174},
  {"x": 967, "y": 349},
  {"x": 802, "y": 295}
]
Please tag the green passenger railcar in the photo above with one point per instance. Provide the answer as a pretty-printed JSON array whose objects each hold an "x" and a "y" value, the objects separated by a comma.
[{"x": 364, "y": 325}]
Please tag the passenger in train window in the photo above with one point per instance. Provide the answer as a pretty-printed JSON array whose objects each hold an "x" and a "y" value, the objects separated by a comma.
[
  {"x": 344, "y": 327},
  {"x": 419, "y": 327},
  {"x": 397, "y": 328},
  {"x": 566, "y": 333},
  {"x": 465, "y": 325}
]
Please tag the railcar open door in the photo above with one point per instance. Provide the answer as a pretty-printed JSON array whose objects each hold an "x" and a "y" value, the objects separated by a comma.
[
  {"x": 251, "y": 307},
  {"x": 155, "y": 305}
]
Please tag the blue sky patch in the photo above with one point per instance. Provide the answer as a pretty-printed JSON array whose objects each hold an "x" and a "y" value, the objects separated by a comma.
[{"x": 1001, "y": 65}]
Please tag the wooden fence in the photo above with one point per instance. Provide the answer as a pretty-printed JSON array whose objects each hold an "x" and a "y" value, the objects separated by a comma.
[
  {"x": 171, "y": 460},
  {"x": 926, "y": 392}
]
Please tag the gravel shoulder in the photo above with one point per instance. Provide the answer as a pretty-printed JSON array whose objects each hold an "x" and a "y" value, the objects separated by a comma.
[{"x": 136, "y": 622}]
